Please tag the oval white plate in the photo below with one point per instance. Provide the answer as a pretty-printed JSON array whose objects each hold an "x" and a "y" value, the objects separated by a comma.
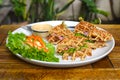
[{"x": 96, "y": 54}]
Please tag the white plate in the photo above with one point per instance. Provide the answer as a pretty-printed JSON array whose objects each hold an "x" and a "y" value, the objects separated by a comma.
[{"x": 96, "y": 54}]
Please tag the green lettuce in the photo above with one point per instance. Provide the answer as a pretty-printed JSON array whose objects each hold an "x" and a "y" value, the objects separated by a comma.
[{"x": 16, "y": 44}]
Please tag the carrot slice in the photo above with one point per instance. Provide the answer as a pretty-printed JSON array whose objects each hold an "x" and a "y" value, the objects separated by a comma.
[{"x": 32, "y": 41}]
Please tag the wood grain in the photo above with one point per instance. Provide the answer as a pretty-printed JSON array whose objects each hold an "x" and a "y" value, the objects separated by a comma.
[
  {"x": 13, "y": 68},
  {"x": 64, "y": 74}
]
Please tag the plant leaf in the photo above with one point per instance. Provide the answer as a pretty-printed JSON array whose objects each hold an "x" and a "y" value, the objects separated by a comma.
[
  {"x": 66, "y": 6},
  {"x": 103, "y": 12}
]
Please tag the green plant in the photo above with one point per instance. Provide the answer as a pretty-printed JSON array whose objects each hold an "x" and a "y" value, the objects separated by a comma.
[
  {"x": 1, "y": 2},
  {"x": 19, "y": 9},
  {"x": 89, "y": 11},
  {"x": 48, "y": 11},
  {"x": 62, "y": 10}
]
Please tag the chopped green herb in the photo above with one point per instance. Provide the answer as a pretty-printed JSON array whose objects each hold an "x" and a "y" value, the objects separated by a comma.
[
  {"x": 71, "y": 50},
  {"x": 80, "y": 34},
  {"x": 84, "y": 46},
  {"x": 90, "y": 41}
]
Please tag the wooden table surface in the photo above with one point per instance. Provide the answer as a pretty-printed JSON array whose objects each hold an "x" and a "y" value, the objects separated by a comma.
[{"x": 13, "y": 68}]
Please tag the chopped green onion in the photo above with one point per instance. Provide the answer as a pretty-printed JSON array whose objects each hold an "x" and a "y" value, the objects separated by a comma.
[
  {"x": 84, "y": 46},
  {"x": 80, "y": 34},
  {"x": 90, "y": 41}
]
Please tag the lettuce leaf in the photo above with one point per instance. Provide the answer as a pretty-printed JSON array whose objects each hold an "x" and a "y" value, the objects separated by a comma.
[{"x": 16, "y": 44}]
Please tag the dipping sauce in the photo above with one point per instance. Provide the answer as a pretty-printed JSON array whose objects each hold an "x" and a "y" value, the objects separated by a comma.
[{"x": 41, "y": 29}]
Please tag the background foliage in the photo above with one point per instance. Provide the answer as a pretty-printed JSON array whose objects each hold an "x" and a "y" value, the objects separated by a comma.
[
  {"x": 42, "y": 10},
  {"x": 89, "y": 11}
]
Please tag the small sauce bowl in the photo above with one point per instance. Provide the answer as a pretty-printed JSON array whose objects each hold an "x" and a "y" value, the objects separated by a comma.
[{"x": 41, "y": 29}]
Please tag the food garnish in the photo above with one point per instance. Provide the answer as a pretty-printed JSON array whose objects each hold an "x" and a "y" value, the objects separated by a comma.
[{"x": 32, "y": 47}]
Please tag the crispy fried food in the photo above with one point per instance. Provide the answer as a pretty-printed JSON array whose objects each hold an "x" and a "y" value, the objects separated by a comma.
[
  {"x": 92, "y": 31},
  {"x": 75, "y": 47},
  {"x": 58, "y": 33},
  {"x": 81, "y": 42}
]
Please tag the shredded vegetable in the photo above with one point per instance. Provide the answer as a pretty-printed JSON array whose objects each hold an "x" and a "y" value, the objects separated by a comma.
[{"x": 36, "y": 41}]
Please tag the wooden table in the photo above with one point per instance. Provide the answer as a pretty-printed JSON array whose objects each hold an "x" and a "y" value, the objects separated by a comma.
[{"x": 13, "y": 68}]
